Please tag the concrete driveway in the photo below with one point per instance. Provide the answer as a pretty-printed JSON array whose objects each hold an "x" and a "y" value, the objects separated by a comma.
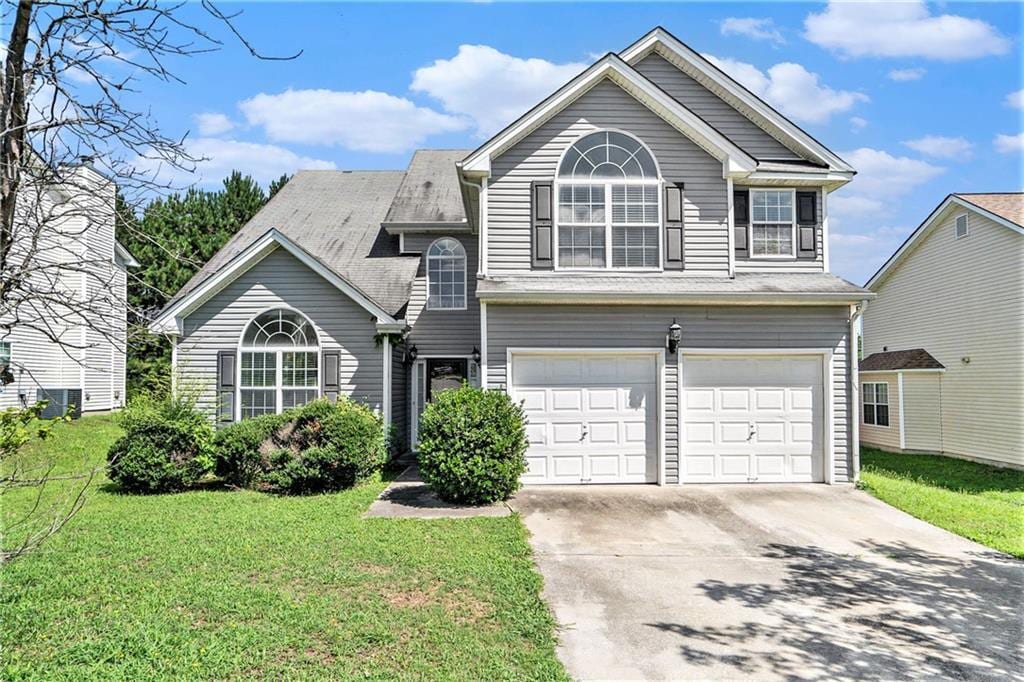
[{"x": 768, "y": 582}]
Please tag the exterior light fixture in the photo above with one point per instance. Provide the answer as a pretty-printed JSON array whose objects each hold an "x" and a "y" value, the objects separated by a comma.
[
  {"x": 476, "y": 355},
  {"x": 675, "y": 335},
  {"x": 410, "y": 354}
]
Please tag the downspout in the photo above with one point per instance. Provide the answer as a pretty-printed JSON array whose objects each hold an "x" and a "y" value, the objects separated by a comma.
[{"x": 855, "y": 312}]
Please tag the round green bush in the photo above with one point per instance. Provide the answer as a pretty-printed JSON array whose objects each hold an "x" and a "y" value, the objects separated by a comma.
[
  {"x": 472, "y": 444},
  {"x": 320, "y": 447},
  {"x": 166, "y": 447}
]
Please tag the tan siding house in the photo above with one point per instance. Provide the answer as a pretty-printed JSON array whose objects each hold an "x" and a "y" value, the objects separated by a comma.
[{"x": 956, "y": 290}]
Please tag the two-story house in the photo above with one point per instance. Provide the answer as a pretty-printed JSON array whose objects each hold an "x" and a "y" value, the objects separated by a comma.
[
  {"x": 642, "y": 259},
  {"x": 64, "y": 337}
]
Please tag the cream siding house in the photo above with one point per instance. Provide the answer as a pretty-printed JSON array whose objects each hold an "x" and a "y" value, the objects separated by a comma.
[{"x": 954, "y": 290}]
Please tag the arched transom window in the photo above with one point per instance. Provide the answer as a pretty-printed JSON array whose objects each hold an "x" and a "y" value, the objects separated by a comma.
[
  {"x": 279, "y": 367},
  {"x": 446, "y": 275},
  {"x": 609, "y": 205}
]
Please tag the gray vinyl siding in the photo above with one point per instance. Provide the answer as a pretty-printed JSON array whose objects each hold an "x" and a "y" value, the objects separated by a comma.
[
  {"x": 443, "y": 332},
  {"x": 706, "y": 239},
  {"x": 280, "y": 279},
  {"x": 961, "y": 298},
  {"x": 565, "y": 326},
  {"x": 790, "y": 264},
  {"x": 922, "y": 398},
  {"x": 709, "y": 106},
  {"x": 884, "y": 437}
]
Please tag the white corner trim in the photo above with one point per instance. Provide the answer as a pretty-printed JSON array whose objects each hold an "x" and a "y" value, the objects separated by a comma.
[
  {"x": 169, "y": 321},
  {"x": 899, "y": 396},
  {"x": 387, "y": 381},
  {"x": 824, "y": 230},
  {"x": 926, "y": 227},
  {"x": 731, "y": 226}
]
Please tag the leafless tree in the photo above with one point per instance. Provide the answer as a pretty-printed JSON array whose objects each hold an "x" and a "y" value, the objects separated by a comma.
[{"x": 70, "y": 138}]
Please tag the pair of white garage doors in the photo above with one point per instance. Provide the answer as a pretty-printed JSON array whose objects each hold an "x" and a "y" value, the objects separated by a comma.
[{"x": 599, "y": 417}]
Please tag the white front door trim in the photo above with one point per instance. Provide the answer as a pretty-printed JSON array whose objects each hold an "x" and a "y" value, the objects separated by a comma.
[
  {"x": 828, "y": 385},
  {"x": 417, "y": 392},
  {"x": 657, "y": 353}
]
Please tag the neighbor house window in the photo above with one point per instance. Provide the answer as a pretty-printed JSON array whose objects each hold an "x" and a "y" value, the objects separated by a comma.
[
  {"x": 279, "y": 366},
  {"x": 609, "y": 206},
  {"x": 446, "y": 275},
  {"x": 876, "y": 404},
  {"x": 961, "y": 226},
  {"x": 772, "y": 223},
  {"x": 5, "y": 354}
]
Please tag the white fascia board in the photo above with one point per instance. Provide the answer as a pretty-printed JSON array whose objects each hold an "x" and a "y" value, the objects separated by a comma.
[
  {"x": 668, "y": 46},
  {"x": 461, "y": 226},
  {"x": 589, "y": 298},
  {"x": 612, "y": 67},
  {"x": 925, "y": 227},
  {"x": 169, "y": 321},
  {"x": 831, "y": 181},
  {"x": 396, "y": 327}
]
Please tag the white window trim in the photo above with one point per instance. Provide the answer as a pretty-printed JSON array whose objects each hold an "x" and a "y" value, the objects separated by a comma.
[
  {"x": 465, "y": 284},
  {"x": 607, "y": 183},
  {"x": 967, "y": 226},
  {"x": 278, "y": 366},
  {"x": 875, "y": 403},
  {"x": 792, "y": 227}
]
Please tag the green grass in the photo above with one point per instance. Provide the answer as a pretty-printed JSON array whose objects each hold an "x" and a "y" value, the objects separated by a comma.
[
  {"x": 979, "y": 502},
  {"x": 231, "y": 584}
]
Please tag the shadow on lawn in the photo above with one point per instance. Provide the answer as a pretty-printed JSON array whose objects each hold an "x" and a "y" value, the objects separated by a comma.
[{"x": 892, "y": 612}]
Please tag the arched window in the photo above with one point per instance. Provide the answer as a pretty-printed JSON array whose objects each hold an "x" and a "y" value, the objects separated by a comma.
[
  {"x": 601, "y": 170},
  {"x": 446, "y": 275},
  {"x": 279, "y": 367}
]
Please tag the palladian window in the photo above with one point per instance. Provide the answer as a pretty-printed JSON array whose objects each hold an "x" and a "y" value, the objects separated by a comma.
[
  {"x": 279, "y": 366},
  {"x": 609, "y": 206}
]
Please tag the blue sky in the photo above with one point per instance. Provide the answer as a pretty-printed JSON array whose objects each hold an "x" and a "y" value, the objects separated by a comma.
[{"x": 920, "y": 98}]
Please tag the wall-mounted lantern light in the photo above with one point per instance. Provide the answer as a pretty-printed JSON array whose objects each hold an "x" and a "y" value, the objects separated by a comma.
[
  {"x": 675, "y": 335},
  {"x": 410, "y": 354},
  {"x": 476, "y": 355}
]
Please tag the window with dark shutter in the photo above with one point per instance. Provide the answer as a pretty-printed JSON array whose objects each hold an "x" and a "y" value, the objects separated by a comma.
[
  {"x": 226, "y": 386},
  {"x": 741, "y": 222},
  {"x": 541, "y": 228},
  {"x": 674, "y": 226},
  {"x": 331, "y": 386},
  {"x": 807, "y": 225}
]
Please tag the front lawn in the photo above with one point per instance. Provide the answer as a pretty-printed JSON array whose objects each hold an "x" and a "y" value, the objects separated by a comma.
[
  {"x": 238, "y": 584},
  {"x": 979, "y": 502}
]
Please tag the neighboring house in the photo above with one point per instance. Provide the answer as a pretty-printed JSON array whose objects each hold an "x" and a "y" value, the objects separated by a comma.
[
  {"x": 944, "y": 368},
  {"x": 77, "y": 254},
  {"x": 642, "y": 259}
]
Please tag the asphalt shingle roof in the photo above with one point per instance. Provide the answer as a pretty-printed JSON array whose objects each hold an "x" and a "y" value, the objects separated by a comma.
[
  {"x": 430, "y": 191},
  {"x": 1009, "y": 205},
  {"x": 893, "y": 360}
]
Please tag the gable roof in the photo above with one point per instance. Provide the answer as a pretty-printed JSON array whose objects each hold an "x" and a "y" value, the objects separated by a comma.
[
  {"x": 333, "y": 217},
  {"x": 1008, "y": 205},
  {"x": 692, "y": 63},
  {"x": 896, "y": 360},
  {"x": 613, "y": 68},
  {"x": 973, "y": 202},
  {"x": 430, "y": 194}
]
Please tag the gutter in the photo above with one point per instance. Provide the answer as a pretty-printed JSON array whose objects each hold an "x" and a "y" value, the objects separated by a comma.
[{"x": 610, "y": 298}]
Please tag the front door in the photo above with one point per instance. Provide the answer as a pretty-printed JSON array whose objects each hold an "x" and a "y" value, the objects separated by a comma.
[{"x": 445, "y": 373}]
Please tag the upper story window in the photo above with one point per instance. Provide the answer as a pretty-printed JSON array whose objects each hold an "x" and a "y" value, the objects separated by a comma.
[
  {"x": 609, "y": 204},
  {"x": 446, "y": 275},
  {"x": 772, "y": 223},
  {"x": 961, "y": 226},
  {"x": 279, "y": 366}
]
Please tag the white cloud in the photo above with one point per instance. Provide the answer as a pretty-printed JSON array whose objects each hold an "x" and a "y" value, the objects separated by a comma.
[
  {"x": 1008, "y": 144},
  {"x": 901, "y": 29},
  {"x": 365, "y": 121},
  {"x": 758, "y": 29},
  {"x": 881, "y": 175},
  {"x": 904, "y": 75},
  {"x": 491, "y": 87},
  {"x": 264, "y": 162},
  {"x": 791, "y": 89},
  {"x": 1015, "y": 99},
  {"x": 858, "y": 123},
  {"x": 858, "y": 255},
  {"x": 941, "y": 147},
  {"x": 211, "y": 123}
]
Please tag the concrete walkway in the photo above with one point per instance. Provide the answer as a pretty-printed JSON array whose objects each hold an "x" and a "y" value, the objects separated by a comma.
[
  {"x": 408, "y": 497},
  {"x": 768, "y": 582}
]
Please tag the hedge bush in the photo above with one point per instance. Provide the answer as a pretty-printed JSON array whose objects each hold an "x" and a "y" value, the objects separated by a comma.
[
  {"x": 319, "y": 447},
  {"x": 166, "y": 447},
  {"x": 472, "y": 445}
]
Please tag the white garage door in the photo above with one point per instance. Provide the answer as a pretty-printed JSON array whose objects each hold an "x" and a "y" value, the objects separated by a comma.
[
  {"x": 592, "y": 418},
  {"x": 752, "y": 419}
]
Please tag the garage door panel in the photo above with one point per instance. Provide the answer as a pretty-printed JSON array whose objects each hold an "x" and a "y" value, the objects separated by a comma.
[
  {"x": 566, "y": 432},
  {"x": 635, "y": 433},
  {"x": 700, "y": 399},
  {"x": 770, "y": 432},
  {"x": 735, "y": 465},
  {"x": 770, "y": 399},
  {"x": 733, "y": 432},
  {"x": 801, "y": 398},
  {"x": 566, "y": 400},
  {"x": 536, "y": 434},
  {"x": 699, "y": 433},
  {"x": 568, "y": 467},
  {"x": 604, "y": 432},
  {"x": 534, "y": 400},
  {"x": 606, "y": 399}
]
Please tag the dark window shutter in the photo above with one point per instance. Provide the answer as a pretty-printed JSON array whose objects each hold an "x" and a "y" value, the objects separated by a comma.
[
  {"x": 330, "y": 377},
  {"x": 674, "y": 213},
  {"x": 807, "y": 224},
  {"x": 226, "y": 385},
  {"x": 741, "y": 222},
  {"x": 541, "y": 224}
]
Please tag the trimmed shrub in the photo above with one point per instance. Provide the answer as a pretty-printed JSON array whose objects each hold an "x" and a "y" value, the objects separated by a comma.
[
  {"x": 319, "y": 447},
  {"x": 166, "y": 447},
  {"x": 472, "y": 445}
]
